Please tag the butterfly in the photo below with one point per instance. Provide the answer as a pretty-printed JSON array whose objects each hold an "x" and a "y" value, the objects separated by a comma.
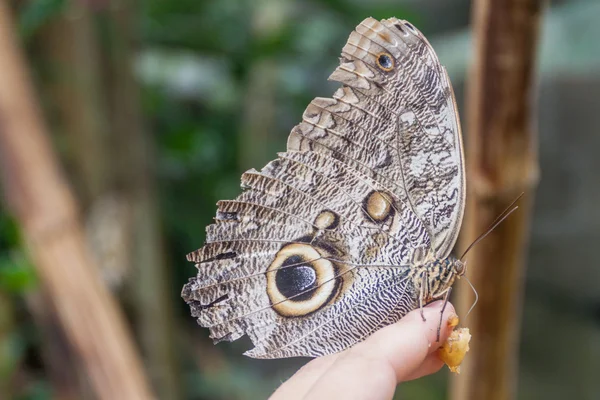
[{"x": 352, "y": 227}]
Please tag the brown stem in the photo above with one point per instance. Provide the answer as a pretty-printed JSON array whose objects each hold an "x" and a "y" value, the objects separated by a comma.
[
  {"x": 46, "y": 210},
  {"x": 501, "y": 163},
  {"x": 133, "y": 149}
]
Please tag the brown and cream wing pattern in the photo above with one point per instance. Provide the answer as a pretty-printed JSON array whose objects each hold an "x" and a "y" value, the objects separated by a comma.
[
  {"x": 425, "y": 120},
  {"x": 316, "y": 252}
]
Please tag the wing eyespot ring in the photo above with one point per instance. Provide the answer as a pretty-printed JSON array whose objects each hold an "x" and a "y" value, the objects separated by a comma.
[
  {"x": 300, "y": 281},
  {"x": 385, "y": 62}
]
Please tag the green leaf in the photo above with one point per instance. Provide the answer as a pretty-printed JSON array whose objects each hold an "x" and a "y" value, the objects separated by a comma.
[{"x": 17, "y": 274}]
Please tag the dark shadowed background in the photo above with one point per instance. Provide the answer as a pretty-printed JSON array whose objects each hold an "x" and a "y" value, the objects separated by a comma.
[{"x": 214, "y": 89}]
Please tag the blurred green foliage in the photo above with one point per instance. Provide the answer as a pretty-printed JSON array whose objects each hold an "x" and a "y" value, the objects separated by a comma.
[{"x": 34, "y": 14}]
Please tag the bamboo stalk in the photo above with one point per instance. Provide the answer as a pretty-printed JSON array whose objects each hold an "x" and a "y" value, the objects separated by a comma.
[
  {"x": 45, "y": 208},
  {"x": 134, "y": 155},
  {"x": 69, "y": 45},
  {"x": 60, "y": 365},
  {"x": 501, "y": 163}
]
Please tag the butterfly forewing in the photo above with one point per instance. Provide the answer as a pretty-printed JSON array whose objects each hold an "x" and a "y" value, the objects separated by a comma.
[{"x": 320, "y": 249}]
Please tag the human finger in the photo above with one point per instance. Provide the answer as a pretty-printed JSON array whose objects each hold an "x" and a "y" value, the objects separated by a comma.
[
  {"x": 389, "y": 356},
  {"x": 430, "y": 365},
  {"x": 299, "y": 384}
]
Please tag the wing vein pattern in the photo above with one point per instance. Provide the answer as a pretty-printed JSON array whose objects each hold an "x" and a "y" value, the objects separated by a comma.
[{"x": 319, "y": 250}]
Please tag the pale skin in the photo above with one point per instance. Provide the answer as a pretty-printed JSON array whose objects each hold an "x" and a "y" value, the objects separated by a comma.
[{"x": 372, "y": 369}]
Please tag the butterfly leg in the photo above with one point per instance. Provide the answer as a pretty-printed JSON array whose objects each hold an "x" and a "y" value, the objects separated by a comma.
[
  {"x": 446, "y": 294},
  {"x": 422, "y": 293}
]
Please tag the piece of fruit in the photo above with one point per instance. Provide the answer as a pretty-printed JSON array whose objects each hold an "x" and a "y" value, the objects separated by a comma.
[{"x": 454, "y": 349}]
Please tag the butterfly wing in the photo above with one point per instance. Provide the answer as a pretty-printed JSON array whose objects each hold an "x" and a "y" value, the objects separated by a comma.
[
  {"x": 315, "y": 254},
  {"x": 425, "y": 119}
]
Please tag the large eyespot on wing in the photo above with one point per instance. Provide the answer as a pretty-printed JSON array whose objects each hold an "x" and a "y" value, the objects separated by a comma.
[
  {"x": 377, "y": 298},
  {"x": 300, "y": 281}
]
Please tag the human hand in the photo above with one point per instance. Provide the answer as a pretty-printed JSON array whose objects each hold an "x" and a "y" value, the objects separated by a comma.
[{"x": 372, "y": 369}]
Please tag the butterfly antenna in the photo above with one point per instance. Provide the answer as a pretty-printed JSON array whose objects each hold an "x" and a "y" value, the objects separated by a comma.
[
  {"x": 507, "y": 208},
  {"x": 503, "y": 215},
  {"x": 476, "y": 297}
]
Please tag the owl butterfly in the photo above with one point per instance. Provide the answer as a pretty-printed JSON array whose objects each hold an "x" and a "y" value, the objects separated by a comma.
[{"x": 351, "y": 228}]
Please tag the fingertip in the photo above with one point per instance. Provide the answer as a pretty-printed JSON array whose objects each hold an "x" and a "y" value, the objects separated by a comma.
[
  {"x": 439, "y": 304},
  {"x": 299, "y": 384},
  {"x": 435, "y": 324},
  {"x": 430, "y": 365},
  {"x": 355, "y": 374},
  {"x": 406, "y": 344},
  {"x": 396, "y": 353}
]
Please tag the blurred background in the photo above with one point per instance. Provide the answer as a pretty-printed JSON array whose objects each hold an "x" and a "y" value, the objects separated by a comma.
[{"x": 156, "y": 108}]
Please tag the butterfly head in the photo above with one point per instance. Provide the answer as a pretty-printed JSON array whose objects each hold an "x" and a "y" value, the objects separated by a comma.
[
  {"x": 459, "y": 267},
  {"x": 454, "y": 266}
]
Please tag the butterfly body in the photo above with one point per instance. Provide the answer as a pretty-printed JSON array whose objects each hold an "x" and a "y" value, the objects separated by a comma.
[
  {"x": 351, "y": 227},
  {"x": 434, "y": 279}
]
